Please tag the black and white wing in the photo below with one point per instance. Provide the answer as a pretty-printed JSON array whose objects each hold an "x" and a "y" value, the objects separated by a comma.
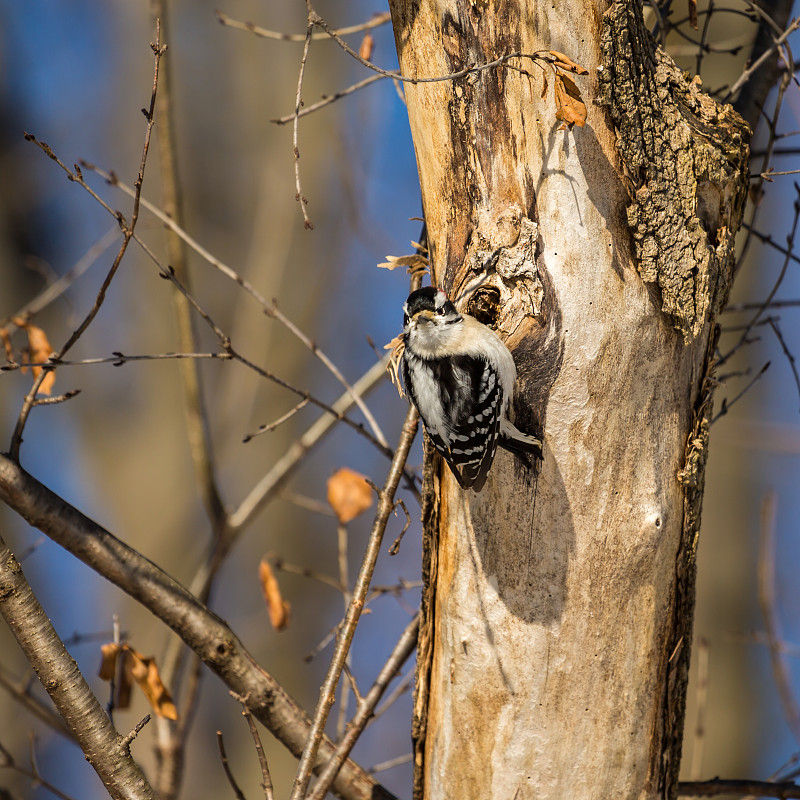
[{"x": 460, "y": 400}]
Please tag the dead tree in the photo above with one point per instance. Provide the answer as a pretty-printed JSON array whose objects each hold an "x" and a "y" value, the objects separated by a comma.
[{"x": 557, "y": 618}]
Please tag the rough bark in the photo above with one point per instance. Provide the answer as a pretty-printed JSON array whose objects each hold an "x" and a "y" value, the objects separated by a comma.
[{"x": 557, "y": 612}]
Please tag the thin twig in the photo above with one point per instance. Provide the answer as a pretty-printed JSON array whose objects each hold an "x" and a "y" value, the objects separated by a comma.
[
  {"x": 126, "y": 741},
  {"x": 402, "y": 687},
  {"x": 327, "y": 694},
  {"x": 704, "y": 37},
  {"x": 748, "y": 72},
  {"x": 270, "y": 309},
  {"x": 308, "y": 503},
  {"x": 344, "y": 582},
  {"x": 328, "y": 99},
  {"x": 127, "y": 230},
  {"x": 374, "y": 22},
  {"x": 298, "y": 102},
  {"x": 266, "y": 778},
  {"x": 773, "y": 323},
  {"x": 316, "y": 19},
  {"x": 227, "y": 767},
  {"x": 268, "y": 428},
  {"x": 390, "y": 763},
  {"x": 726, "y": 406},
  {"x": 771, "y": 173},
  {"x": 117, "y": 359},
  {"x": 58, "y": 287},
  {"x": 331, "y": 367},
  {"x": 402, "y": 650}
]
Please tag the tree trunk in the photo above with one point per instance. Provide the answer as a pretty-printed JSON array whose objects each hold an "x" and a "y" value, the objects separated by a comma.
[{"x": 557, "y": 612}]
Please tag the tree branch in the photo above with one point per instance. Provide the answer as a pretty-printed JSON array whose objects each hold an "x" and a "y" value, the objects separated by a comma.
[
  {"x": 345, "y": 638},
  {"x": 783, "y": 791},
  {"x": 105, "y": 749},
  {"x": 204, "y": 632}
]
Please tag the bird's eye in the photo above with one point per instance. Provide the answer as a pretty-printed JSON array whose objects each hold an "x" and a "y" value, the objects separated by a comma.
[{"x": 440, "y": 311}]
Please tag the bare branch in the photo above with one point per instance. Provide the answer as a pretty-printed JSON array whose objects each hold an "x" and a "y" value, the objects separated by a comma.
[
  {"x": 783, "y": 791},
  {"x": 761, "y": 60},
  {"x": 207, "y": 635},
  {"x": 272, "y": 425},
  {"x": 366, "y": 707},
  {"x": 20, "y": 691},
  {"x": 226, "y": 766},
  {"x": 374, "y": 22},
  {"x": 327, "y": 694},
  {"x": 127, "y": 229},
  {"x": 266, "y": 778},
  {"x": 105, "y": 750},
  {"x": 327, "y": 100},
  {"x": 298, "y": 102},
  {"x": 58, "y": 287}
]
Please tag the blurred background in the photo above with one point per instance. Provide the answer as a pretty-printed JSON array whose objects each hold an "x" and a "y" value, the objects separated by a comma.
[{"x": 76, "y": 76}]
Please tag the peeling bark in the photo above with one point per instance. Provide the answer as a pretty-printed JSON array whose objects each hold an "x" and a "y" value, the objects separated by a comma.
[{"x": 557, "y": 611}]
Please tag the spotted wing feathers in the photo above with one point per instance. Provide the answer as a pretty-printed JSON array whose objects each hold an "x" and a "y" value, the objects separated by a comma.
[{"x": 472, "y": 404}]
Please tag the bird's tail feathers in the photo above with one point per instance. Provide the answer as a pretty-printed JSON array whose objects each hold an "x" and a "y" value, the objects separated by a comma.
[{"x": 522, "y": 445}]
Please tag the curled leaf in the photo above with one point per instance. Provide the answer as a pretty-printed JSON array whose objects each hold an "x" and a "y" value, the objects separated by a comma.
[
  {"x": 122, "y": 662},
  {"x": 415, "y": 263},
  {"x": 397, "y": 346},
  {"x": 5, "y": 338},
  {"x": 367, "y": 47},
  {"x": 145, "y": 673},
  {"x": 278, "y": 607},
  {"x": 108, "y": 664},
  {"x": 571, "y": 108},
  {"x": 349, "y": 494},
  {"x": 566, "y": 63},
  {"x": 39, "y": 350}
]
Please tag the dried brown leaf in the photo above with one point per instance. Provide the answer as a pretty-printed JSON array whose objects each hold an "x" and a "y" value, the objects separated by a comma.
[
  {"x": 397, "y": 346},
  {"x": 413, "y": 263},
  {"x": 278, "y": 607},
  {"x": 124, "y": 678},
  {"x": 349, "y": 494},
  {"x": 693, "y": 14},
  {"x": 544, "y": 85},
  {"x": 571, "y": 108},
  {"x": 367, "y": 47},
  {"x": 5, "y": 338},
  {"x": 39, "y": 350},
  {"x": 566, "y": 63},
  {"x": 108, "y": 664},
  {"x": 145, "y": 673}
]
